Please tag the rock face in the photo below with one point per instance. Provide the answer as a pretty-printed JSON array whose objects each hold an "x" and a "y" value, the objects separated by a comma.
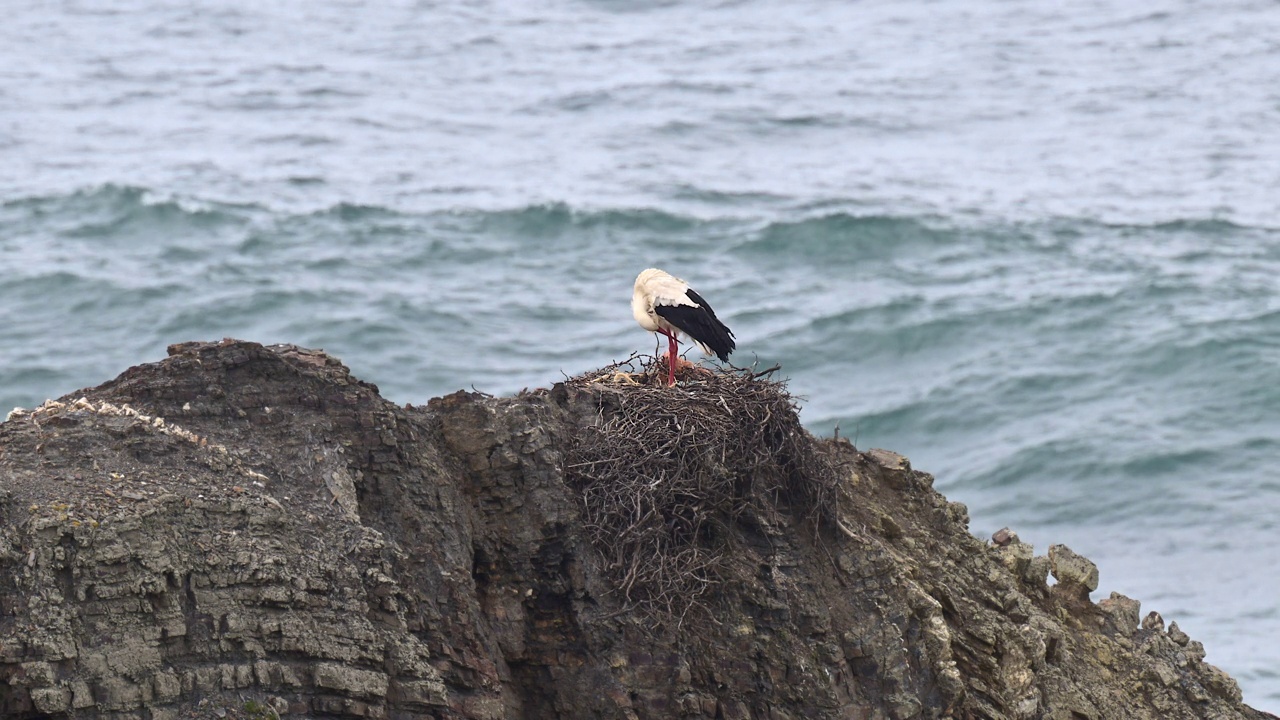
[{"x": 247, "y": 531}]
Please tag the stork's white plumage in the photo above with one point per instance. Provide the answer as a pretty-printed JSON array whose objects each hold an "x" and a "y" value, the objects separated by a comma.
[{"x": 665, "y": 304}]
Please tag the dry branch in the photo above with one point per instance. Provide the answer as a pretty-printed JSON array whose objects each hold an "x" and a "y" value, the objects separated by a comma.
[{"x": 669, "y": 475}]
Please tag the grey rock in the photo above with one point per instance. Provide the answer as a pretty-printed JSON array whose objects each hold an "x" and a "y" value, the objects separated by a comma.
[
  {"x": 352, "y": 681},
  {"x": 287, "y": 536},
  {"x": 889, "y": 459},
  {"x": 1016, "y": 557},
  {"x": 51, "y": 700},
  {"x": 1176, "y": 634},
  {"x": 1122, "y": 613},
  {"x": 1071, "y": 569},
  {"x": 1195, "y": 650},
  {"x": 1221, "y": 684},
  {"x": 1165, "y": 674},
  {"x": 1004, "y": 536},
  {"x": 1037, "y": 572}
]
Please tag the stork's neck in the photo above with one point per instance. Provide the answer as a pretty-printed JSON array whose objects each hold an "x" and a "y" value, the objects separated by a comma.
[{"x": 642, "y": 311}]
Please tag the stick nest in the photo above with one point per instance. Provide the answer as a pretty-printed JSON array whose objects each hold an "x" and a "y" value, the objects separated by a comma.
[{"x": 671, "y": 477}]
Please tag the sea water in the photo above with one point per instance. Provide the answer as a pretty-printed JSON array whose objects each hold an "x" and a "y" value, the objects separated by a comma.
[{"x": 1034, "y": 247}]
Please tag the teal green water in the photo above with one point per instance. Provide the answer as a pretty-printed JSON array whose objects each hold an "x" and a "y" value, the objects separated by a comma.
[{"x": 1034, "y": 249}]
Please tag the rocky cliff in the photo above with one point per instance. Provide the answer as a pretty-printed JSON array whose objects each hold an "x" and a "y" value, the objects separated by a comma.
[{"x": 246, "y": 531}]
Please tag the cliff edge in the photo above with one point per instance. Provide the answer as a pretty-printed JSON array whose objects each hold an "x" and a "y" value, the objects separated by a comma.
[{"x": 243, "y": 531}]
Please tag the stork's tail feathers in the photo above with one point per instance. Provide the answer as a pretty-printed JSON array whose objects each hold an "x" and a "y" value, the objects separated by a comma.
[{"x": 720, "y": 346}]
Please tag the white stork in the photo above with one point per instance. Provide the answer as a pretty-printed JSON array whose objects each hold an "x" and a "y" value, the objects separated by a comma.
[{"x": 665, "y": 304}]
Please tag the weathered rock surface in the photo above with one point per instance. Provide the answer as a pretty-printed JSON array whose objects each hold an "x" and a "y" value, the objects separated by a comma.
[{"x": 247, "y": 531}]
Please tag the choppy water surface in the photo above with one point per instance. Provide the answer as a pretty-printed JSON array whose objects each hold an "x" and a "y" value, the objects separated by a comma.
[{"x": 1034, "y": 248}]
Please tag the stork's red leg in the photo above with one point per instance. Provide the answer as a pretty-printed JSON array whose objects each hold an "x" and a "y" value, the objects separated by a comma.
[{"x": 671, "y": 357}]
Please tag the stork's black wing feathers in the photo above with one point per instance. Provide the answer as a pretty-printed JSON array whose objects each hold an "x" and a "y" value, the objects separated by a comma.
[{"x": 701, "y": 324}]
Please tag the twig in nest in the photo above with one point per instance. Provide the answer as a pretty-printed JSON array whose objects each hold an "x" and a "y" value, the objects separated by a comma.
[
  {"x": 768, "y": 371},
  {"x": 665, "y": 478}
]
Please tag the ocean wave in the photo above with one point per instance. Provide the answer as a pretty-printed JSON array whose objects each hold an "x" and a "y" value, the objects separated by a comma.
[
  {"x": 1090, "y": 480},
  {"x": 1194, "y": 226},
  {"x": 122, "y": 211},
  {"x": 356, "y": 212},
  {"x": 534, "y": 220},
  {"x": 844, "y": 238},
  {"x": 558, "y": 218},
  {"x": 745, "y": 199}
]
